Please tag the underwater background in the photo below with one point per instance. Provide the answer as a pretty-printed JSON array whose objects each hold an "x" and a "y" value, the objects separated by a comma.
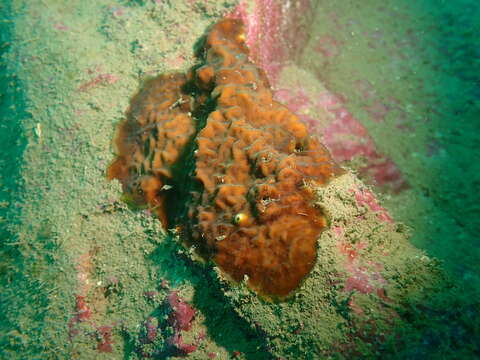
[{"x": 393, "y": 90}]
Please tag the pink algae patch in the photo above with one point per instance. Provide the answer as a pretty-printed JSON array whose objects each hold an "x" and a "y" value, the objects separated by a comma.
[
  {"x": 83, "y": 311},
  {"x": 177, "y": 341},
  {"x": 106, "y": 341},
  {"x": 328, "y": 46},
  {"x": 182, "y": 313},
  {"x": 61, "y": 26},
  {"x": 295, "y": 100},
  {"x": 347, "y": 138},
  {"x": 366, "y": 198},
  {"x": 151, "y": 327},
  {"x": 180, "y": 318},
  {"x": 101, "y": 79},
  {"x": 275, "y": 34},
  {"x": 363, "y": 278}
]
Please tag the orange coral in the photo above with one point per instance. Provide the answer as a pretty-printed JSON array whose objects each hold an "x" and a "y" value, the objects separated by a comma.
[
  {"x": 256, "y": 161},
  {"x": 151, "y": 140},
  {"x": 253, "y": 213}
]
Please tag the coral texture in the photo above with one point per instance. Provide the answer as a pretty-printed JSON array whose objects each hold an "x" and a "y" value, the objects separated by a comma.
[
  {"x": 256, "y": 164},
  {"x": 151, "y": 139}
]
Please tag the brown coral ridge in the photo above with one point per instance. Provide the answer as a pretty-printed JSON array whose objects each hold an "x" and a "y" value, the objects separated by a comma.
[
  {"x": 253, "y": 212},
  {"x": 151, "y": 140},
  {"x": 257, "y": 163}
]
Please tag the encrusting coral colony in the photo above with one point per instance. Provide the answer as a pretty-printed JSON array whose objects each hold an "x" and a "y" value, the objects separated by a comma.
[{"x": 245, "y": 163}]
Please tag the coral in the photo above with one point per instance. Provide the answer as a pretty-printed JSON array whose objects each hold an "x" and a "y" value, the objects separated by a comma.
[
  {"x": 277, "y": 34},
  {"x": 151, "y": 139},
  {"x": 256, "y": 164}
]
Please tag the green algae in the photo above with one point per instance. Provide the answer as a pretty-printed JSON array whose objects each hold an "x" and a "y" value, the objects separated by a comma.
[
  {"x": 414, "y": 58},
  {"x": 68, "y": 208}
]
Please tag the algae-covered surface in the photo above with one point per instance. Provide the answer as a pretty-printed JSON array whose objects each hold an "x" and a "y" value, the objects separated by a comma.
[
  {"x": 77, "y": 65},
  {"x": 409, "y": 72},
  {"x": 85, "y": 276}
]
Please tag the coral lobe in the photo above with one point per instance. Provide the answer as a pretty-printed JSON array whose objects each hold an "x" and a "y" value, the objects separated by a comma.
[{"x": 151, "y": 139}]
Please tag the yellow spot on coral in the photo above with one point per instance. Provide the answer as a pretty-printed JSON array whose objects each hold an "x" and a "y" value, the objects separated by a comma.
[
  {"x": 241, "y": 37},
  {"x": 240, "y": 219}
]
